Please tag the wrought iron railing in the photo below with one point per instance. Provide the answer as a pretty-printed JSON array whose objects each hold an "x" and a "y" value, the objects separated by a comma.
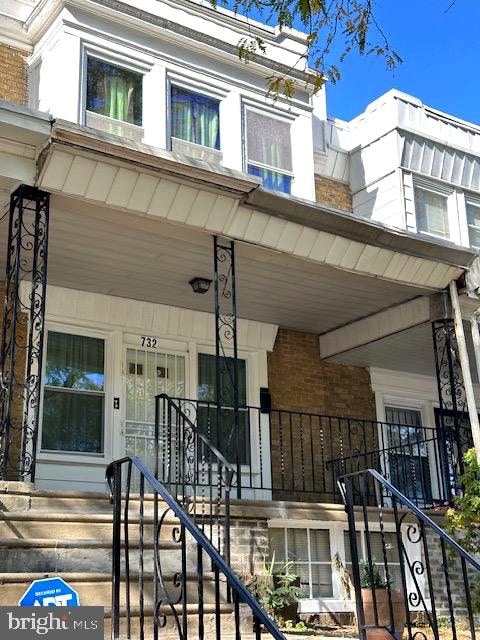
[
  {"x": 167, "y": 576},
  {"x": 291, "y": 455},
  {"x": 194, "y": 470},
  {"x": 406, "y": 571}
]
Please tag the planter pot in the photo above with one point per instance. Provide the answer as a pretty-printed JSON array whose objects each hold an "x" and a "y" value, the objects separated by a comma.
[{"x": 383, "y": 611}]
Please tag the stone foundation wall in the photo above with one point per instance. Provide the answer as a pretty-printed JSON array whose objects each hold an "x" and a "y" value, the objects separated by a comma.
[{"x": 249, "y": 545}]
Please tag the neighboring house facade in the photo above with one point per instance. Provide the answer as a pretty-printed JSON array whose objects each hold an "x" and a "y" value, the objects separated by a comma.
[
  {"x": 151, "y": 138},
  {"x": 408, "y": 166}
]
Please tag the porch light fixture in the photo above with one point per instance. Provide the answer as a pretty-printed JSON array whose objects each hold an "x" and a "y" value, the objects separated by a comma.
[{"x": 200, "y": 285}]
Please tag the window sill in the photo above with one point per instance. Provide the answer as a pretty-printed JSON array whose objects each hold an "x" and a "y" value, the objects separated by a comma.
[{"x": 96, "y": 459}]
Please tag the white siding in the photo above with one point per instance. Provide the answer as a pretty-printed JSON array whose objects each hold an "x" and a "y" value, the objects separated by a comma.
[{"x": 381, "y": 201}]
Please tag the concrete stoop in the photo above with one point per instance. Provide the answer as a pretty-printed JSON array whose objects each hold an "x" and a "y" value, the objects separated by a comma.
[{"x": 69, "y": 534}]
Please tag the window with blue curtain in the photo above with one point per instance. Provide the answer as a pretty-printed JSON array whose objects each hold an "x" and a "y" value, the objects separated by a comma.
[
  {"x": 114, "y": 91},
  {"x": 269, "y": 150},
  {"x": 195, "y": 118}
]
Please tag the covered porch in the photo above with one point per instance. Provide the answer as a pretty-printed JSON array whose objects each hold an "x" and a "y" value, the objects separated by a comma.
[{"x": 125, "y": 240}]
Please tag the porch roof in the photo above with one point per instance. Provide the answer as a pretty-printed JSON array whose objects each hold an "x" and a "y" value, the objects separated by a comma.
[{"x": 135, "y": 222}]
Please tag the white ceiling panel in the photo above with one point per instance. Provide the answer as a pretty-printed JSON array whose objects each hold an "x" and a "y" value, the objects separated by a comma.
[{"x": 117, "y": 253}]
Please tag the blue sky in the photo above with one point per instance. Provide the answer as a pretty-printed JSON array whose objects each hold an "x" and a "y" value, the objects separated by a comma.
[{"x": 441, "y": 53}]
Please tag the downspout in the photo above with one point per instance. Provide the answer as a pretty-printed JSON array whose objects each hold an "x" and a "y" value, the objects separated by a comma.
[{"x": 465, "y": 365}]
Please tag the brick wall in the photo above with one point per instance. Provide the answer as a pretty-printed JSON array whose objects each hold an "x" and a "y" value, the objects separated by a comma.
[
  {"x": 13, "y": 75},
  {"x": 303, "y": 445},
  {"x": 299, "y": 380},
  {"x": 333, "y": 193}
]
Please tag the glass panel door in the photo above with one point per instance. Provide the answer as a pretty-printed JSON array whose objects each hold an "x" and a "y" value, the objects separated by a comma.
[
  {"x": 234, "y": 445},
  {"x": 407, "y": 454},
  {"x": 148, "y": 373}
]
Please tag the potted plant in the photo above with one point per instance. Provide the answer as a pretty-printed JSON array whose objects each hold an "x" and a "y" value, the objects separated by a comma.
[
  {"x": 375, "y": 591},
  {"x": 277, "y": 590}
]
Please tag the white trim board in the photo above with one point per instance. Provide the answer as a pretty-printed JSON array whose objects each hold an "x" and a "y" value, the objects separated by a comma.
[{"x": 134, "y": 316}]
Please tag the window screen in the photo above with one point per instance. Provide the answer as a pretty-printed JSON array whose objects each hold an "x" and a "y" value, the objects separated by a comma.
[
  {"x": 269, "y": 150},
  {"x": 431, "y": 212}
]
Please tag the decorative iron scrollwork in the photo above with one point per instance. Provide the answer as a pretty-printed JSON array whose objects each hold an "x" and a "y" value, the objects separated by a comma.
[
  {"x": 21, "y": 348},
  {"x": 226, "y": 354},
  {"x": 453, "y": 419}
]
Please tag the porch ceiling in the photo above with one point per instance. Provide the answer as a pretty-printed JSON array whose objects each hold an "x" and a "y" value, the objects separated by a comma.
[
  {"x": 102, "y": 250},
  {"x": 410, "y": 350}
]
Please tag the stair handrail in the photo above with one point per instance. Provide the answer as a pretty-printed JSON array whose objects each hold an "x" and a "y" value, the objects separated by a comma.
[
  {"x": 174, "y": 403},
  {"x": 113, "y": 478},
  {"x": 413, "y": 508},
  {"x": 363, "y": 506}
]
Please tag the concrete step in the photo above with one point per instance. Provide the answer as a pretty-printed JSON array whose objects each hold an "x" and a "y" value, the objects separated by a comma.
[
  {"x": 80, "y": 555},
  {"x": 94, "y": 589}
]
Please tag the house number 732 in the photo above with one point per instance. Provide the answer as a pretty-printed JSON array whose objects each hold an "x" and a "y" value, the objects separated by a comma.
[{"x": 147, "y": 341}]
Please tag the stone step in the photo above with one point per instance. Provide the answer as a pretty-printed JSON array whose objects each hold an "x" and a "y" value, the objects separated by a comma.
[
  {"x": 225, "y": 618},
  {"x": 47, "y": 525},
  {"x": 94, "y": 589},
  {"x": 80, "y": 555}
]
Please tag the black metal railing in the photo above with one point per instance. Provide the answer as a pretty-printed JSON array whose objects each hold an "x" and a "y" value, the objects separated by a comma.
[
  {"x": 167, "y": 576},
  {"x": 194, "y": 470},
  {"x": 406, "y": 570},
  {"x": 292, "y": 455}
]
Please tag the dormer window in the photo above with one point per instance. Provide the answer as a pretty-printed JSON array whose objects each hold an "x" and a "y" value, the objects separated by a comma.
[
  {"x": 195, "y": 124},
  {"x": 113, "y": 99},
  {"x": 269, "y": 150}
]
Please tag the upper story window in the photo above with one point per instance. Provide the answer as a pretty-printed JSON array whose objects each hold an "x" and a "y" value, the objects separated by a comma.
[
  {"x": 431, "y": 210},
  {"x": 269, "y": 150},
  {"x": 473, "y": 221},
  {"x": 195, "y": 118},
  {"x": 113, "y": 96}
]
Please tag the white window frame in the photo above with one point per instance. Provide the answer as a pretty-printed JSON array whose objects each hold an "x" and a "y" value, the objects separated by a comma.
[
  {"x": 116, "y": 59},
  {"x": 339, "y": 603},
  {"x": 81, "y": 456},
  {"x": 202, "y": 89},
  {"x": 268, "y": 113},
  {"x": 449, "y": 194},
  {"x": 474, "y": 200}
]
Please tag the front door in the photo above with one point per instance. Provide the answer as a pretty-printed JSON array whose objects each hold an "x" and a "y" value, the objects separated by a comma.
[{"x": 149, "y": 372}]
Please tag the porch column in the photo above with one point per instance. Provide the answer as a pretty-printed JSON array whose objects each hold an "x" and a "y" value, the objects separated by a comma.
[
  {"x": 452, "y": 404},
  {"x": 465, "y": 365},
  {"x": 226, "y": 353},
  {"x": 21, "y": 346}
]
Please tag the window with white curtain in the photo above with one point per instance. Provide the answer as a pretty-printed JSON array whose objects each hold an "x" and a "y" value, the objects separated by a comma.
[
  {"x": 431, "y": 210},
  {"x": 74, "y": 394},
  {"x": 308, "y": 551},
  {"x": 473, "y": 221},
  {"x": 269, "y": 150}
]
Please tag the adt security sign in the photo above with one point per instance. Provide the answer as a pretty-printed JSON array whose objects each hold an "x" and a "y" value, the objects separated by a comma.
[{"x": 49, "y": 592}]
